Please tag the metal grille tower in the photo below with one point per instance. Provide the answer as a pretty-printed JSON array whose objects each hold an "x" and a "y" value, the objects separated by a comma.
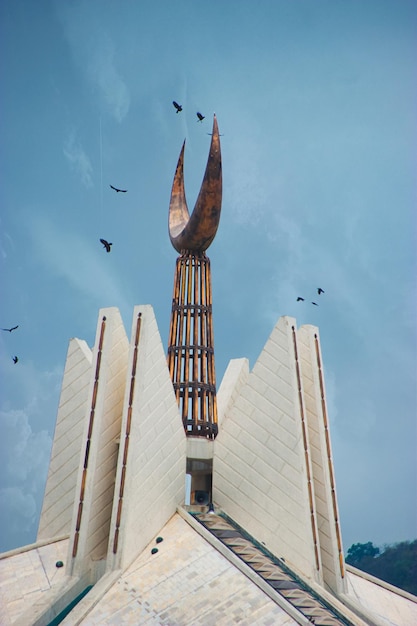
[{"x": 191, "y": 345}]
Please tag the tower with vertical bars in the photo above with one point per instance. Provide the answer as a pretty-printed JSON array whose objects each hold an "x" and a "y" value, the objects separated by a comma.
[{"x": 191, "y": 341}]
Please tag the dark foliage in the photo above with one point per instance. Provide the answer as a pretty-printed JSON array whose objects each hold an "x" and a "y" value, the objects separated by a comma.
[
  {"x": 396, "y": 564},
  {"x": 360, "y": 551}
]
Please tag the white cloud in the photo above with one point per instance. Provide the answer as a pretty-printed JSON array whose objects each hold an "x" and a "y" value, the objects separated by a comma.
[
  {"x": 25, "y": 446},
  {"x": 6, "y": 241},
  {"x": 96, "y": 55},
  {"x": 24, "y": 453},
  {"x": 245, "y": 193},
  {"x": 68, "y": 255},
  {"x": 25, "y": 457},
  {"x": 18, "y": 506},
  {"x": 78, "y": 159},
  {"x": 102, "y": 72}
]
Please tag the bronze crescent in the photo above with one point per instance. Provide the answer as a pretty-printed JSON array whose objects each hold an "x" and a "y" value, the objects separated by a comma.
[{"x": 196, "y": 233}]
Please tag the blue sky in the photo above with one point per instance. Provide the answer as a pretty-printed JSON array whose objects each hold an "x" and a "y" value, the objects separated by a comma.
[{"x": 317, "y": 105}]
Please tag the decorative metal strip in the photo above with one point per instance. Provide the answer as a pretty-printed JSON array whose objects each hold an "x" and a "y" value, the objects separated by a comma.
[
  {"x": 330, "y": 461},
  {"x": 306, "y": 452},
  {"x": 89, "y": 435},
  {"x": 127, "y": 435}
]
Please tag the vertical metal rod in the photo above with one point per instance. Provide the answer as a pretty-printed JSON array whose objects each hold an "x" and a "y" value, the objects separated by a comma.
[
  {"x": 187, "y": 339},
  {"x": 204, "y": 340},
  {"x": 196, "y": 301},
  {"x": 202, "y": 356},
  {"x": 172, "y": 360},
  {"x": 179, "y": 338}
]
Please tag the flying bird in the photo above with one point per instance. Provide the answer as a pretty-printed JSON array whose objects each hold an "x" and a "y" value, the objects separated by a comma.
[
  {"x": 177, "y": 106},
  {"x": 9, "y": 330},
  {"x": 200, "y": 117},
  {"x": 118, "y": 190},
  {"x": 300, "y": 299},
  {"x": 315, "y": 303},
  {"x": 15, "y": 360},
  {"x": 106, "y": 244},
  {"x": 320, "y": 290}
]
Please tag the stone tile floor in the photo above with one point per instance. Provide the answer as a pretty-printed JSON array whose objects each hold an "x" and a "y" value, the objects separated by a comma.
[
  {"x": 186, "y": 582},
  {"x": 25, "y": 576}
]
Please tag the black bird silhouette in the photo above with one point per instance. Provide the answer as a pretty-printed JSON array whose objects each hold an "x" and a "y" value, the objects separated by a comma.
[
  {"x": 320, "y": 290},
  {"x": 200, "y": 117},
  {"x": 9, "y": 330},
  {"x": 315, "y": 303},
  {"x": 211, "y": 134},
  {"x": 300, "y": 299},
  {"x": 177, "y": 106},
  {"x": 15, "y": 360},
  {"x": 106, "y": 244},
  {"x": 118, "y": 190}
]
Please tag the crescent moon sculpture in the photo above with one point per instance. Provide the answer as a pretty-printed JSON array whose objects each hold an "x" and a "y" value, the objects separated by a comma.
[{"x": 196, "y": 233}]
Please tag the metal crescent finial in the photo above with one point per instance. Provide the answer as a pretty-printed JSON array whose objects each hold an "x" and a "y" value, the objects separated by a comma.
[{"x": 198, "y": 231}]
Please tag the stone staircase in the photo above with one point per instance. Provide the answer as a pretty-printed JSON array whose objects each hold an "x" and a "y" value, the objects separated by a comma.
[{"x": 272, "y": 570}]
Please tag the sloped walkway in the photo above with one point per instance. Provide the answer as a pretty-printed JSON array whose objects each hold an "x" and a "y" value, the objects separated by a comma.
[
  {"x": 186, "y": 582},
  {"x": 272, "y": 570}
]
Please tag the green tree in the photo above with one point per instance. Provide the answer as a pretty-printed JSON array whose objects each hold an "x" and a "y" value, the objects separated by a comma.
[
  {"x": 396, "y": 564},
  {"x": 360, "y": 551}
]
